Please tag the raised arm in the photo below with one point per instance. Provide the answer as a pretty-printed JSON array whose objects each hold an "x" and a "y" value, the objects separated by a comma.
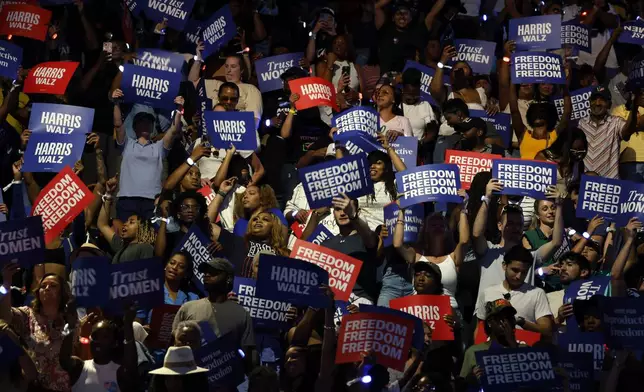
[
  {"x": 175, "y": 178},
  {"x": 160, "y": 242},
  {"x": 8, "y": 272},
  {"x": 369, "y": 238},
  {"x": 103, "y": 222},
  {"x": 436, "y": 88},
  {"x": 406, "y": 252},
  {"x": 69, "y": 363},
  {"x": 380, "y": 16},
  {"x": 631, "y": 124},
  {"x": 258, "y": 169},
  {"x": 618, "y": 285},
  {"x": 548, "y": 249},
  {"x": 325, "y": 378},
  {"x": 480, "y": 222},
  {"x": 222, "y": 172},
  {"x": 599, "y": 68},
  {"x": 215, "y": 206},
  {"x": 567, "y": 111},
  {"x": 168, "y": 137},
  {"x": 504, "y": 75},
  {"x": 119, "y": 127},
  {"x": 463, "y": 238},
  {"x": 391, "y": 152},
  {"x": 433, "y": 13},
  {"x": 195, "y": 69}
]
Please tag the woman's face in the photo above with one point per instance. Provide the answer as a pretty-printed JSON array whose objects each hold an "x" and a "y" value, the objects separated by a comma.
[
  {"x": 49, "y": 291},
  {"x": 175, "y": 270},
  {"x": 545, "y": 89},
  {"x": 251, "y": 199},
  {"x": 192, "y": 180},
  {"x": 295, "y": 363},
  {"x": 435, "y": 226},
  {"x": 546, "y": 212},
  {"x": 232, "y": 70},
  {"x": 385, "y": 97},
  {"x": 410, "y": 94},
  {"x": 130, "y": 228},
  {"x": 377, "y": 171},
  {"x": 189, "y": 210},
  {"x": 340, "y": 47},
  {"x": 261, "y": 225},
  {"x": 578, "y": 150}
]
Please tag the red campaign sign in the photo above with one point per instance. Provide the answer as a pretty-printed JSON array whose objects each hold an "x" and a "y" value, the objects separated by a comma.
[
  {"x": 430, "y": 309},
  {"x": 24, "y": 20},
  {"x": 343, "y": 270},
  {"x": 207, "y": 192},
  {"x": 528, "y": 338},
  {"x": 161, "y": 326},
  {"x": 50, "y": 78},
  {"x": 313, "y": 92},
  {"x": 62, "y": 200},
  {"x": 470, "y": 163},
  {"x": 298, "y": 228},
  {"x": 387, "y": 335}
]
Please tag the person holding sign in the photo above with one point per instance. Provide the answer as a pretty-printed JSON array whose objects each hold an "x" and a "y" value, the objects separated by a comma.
[
  {"x": 510, "y": 225},
  {"x": 436, "y": 248},
  {"x": 40, "y": 325},
  {"x": 102, "y": 344},
  {"x": 222, "y": 315},
  {"x": 568, "y": 152},
  {"x": 530, "y": 302}
]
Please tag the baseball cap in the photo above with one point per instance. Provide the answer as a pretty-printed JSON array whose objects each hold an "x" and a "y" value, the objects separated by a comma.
[
  {"x": 217, "y": 264},
  {"x": 429, "y": 267},
  {"x": 601, "y": 92},
  {"x": 493, "y": 308},
  {"x": 294, "y": 73},
  {"x": 469, "y": 123}
]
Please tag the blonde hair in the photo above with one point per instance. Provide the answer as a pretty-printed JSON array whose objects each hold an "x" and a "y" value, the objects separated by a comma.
[
  {"x": 276, "y": 239},
  {"x": 267, "y": 199},
  {"x": 145, "y": 234}
]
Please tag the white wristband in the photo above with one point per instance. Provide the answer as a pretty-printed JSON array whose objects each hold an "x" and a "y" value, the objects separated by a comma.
[
  {"x": 190, "y": 162},
  {"x": 485, "y": 199}
]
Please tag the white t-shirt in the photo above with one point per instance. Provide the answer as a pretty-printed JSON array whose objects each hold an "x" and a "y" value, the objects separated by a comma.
[
  {"x": 399, "y": 124},
  {"x": 492, "y": 273},
  {"x": 530, "y": 302},
  {"x": 371, "y": 208},
  {"x": 555, "y": 300},
  {"x": 419, "y": 116},
  {"x": 97, "y": 377}
]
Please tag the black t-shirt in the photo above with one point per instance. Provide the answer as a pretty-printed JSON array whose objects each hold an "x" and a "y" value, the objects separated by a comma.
[
  {"x": 396, "y": 47},
  {"x": 240, "y": 253},
  {"x": 366, "y": 284}
]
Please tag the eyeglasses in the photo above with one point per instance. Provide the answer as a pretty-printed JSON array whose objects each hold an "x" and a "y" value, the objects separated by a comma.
[
  {"x": 578, "y": 151},
  {"x": 189, "y": 207}
]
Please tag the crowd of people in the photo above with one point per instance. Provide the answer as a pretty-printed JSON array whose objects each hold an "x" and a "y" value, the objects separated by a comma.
[{"x": 504, "y": 261}]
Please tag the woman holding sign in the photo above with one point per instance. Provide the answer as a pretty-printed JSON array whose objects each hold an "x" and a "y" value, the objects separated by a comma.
[{"x": 41, "y": 326}]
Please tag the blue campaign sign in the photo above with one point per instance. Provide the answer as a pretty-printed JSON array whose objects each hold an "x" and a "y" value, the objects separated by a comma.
[
  {"x": 237, "y": 128},
  {"x": 320, "y": 234},
  {"x": 631, "y": 203},
  {"x": 140, "y": 281},
  {"x": 479, "y": 55},
  {"x": 265, "y": 313},
  {"x": 205, "y": 104},
  {"x": 524, "y": 177},
  {"x": 3, "y": 216},
  {"x": 10, "y": 59},
  {"x": 195, "y": 243},
  {"x": 60, "y": 119},
  {"x": 427, "y": 73},
  {"x": 580, "y": 103},
  {"x": 160, "y": 60},
  {"x": 418, "y": 339},
  {"x": 191, "y": 36},
  {"x": 175, "y": 12},
  {"x": 324, "y": 181},
  {"x": 599, "y": 196},
  {"x": 208, "y": 335},
  {"x": 407, "y": 149},
  {"x": 584, "y": 290},
  {"x": 576, "y": 35},
  {"x": 580, "y": 369},
  {"x": 218, "y": 31},
  {"x": 536, "y": 32},
  {"x": 623, "y": 322},
  {"x": 500, "y": 121},
  {"x": 291, "y": 280},
  {"x": 150, "y": 87},
  {"x": 413, "y": 221},
  {"x": 134, "y": 6},
  {"x": 360, "y": 119},
  {"x": 636, "y": 74},
  {"x": 223, "y": 361},
  {"x": 575, "y": 342},
  {"x": 270, "y": 69},
  {"x": 51, "y": 153},
  {"x": 537, "y": 67},
  {"x": 510, "y": 369},
  {"x": 89, "y": 286},
  {"x": 22, "y": 241},
  {"x": 633, "y": 33},
  {"x": 356, "y": 143},
  {"x": 429, "y": 183},
  {"x": 10, "y": 351}
]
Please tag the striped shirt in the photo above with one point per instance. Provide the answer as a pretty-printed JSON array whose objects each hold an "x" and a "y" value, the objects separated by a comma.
[{"x": 603, "y": 145}]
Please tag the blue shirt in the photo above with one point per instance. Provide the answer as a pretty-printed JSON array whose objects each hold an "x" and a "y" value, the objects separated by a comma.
[
  {"x": 182, "y": 298},
  {"x": 141, "y": 169}
]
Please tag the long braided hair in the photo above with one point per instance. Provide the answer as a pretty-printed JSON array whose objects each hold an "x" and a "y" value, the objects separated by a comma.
[{"x": 146, "y": 233}]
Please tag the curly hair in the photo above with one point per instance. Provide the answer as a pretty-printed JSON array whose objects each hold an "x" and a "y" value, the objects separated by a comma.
[
  {"x": 201, "y": 219},
  {"x": 388, "y": 176},
  {"x": 65, "y": 293},
  {"x": 267, "y": 200},
  {"x": 276, "y": 239},
  {"x": 146, "y": 233}
]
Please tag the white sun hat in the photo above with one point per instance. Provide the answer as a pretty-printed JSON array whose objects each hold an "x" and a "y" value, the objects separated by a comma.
[{"x": 179, "y": 361}]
